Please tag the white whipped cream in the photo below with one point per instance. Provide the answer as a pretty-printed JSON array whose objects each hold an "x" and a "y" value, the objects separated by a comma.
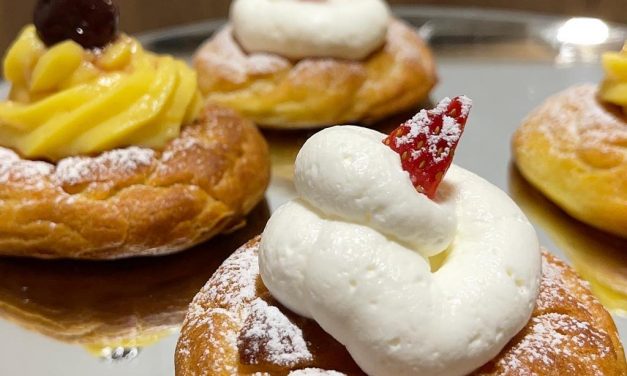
[
  {"x": 296, "y": 29},
  {"x": 345, "y": 255}
]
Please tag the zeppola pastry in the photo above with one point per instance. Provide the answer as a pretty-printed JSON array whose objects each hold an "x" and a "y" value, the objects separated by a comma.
[
  {"x": 393, "y": 261},
  {"x": 106, "y": 150},
  {"x": 573, "y": 148},
  {"x": 301, "y": 64}
]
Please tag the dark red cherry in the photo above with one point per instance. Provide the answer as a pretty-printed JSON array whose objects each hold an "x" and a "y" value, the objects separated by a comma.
[{"x": 90, "y": 23}]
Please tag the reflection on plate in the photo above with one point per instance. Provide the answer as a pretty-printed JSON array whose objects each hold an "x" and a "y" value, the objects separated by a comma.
[
  {"x": 114, "y": 308},
  {"x": 598, "y": 257},
  {"x": 284, "y": 146}
]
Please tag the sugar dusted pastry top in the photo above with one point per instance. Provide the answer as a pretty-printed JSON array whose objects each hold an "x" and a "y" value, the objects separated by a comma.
[
  {"x": 135, "y": 201},
  {"x": 441, "y": 300},
  {"x": 67, "y": 100},
  {"x": 296, "y": 29},
  {"x": 569, "y": 333}
]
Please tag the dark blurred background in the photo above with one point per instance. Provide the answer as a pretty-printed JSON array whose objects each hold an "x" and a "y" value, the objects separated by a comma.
[{"x": 140, "y": 15}]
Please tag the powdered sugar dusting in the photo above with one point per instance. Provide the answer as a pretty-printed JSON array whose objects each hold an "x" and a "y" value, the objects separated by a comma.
[
  {"x": 8, "y": 155},
  {"x": 399, "y": 36},
  {"x": 552, "y": 289},
  {"x": 231, "y": 288},
  {"x": 71, "y": 170},
  {"x": 466, "y": 104},
  {"x": 74, "y": 170},
  {"x": 450, "y": 133},
  {"x": 220, "y": 308},
  {"x": 223, "y": 54},
  {"x": 27, "y": 174},
  {"x": 553, "y": 339},
  {"x": 574, "y": 121},
  {"x": 179, "y": 145},
  {"x": 270, "y": 336}
]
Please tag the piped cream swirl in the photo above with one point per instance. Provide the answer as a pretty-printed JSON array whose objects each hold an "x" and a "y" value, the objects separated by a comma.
[
  {"x": 345, "y": 255},
  {"x": 297, "y": 29}
]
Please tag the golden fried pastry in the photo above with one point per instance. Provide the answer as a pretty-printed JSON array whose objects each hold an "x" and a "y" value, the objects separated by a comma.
[
  {"x": 573, "y": 149},
  {"x": 135, "y": 201},
  {"x": 235, "y": 327},
  {"x": 127, "y": 303},
  {"x": 279, "y": 92},
  {"x": 106, "y": 150}
]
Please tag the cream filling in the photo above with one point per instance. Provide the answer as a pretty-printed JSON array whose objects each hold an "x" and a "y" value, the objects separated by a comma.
[
  {"x": 353, "y": 252},
  {"x": 297, "y": 29}
]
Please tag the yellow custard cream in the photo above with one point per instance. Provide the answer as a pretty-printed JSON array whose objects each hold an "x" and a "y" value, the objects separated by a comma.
[
  {"x": 614, "y": 87},
  {"x": 66, "y": 100}
]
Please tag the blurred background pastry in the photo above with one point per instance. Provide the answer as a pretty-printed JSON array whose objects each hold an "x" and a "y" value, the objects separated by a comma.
[
  {"x": 573, "y": 149},
  {"x": 355, "y": 63}
]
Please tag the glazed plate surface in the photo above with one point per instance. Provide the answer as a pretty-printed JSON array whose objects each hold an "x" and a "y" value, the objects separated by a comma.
[{"x": 122, "y": 318}]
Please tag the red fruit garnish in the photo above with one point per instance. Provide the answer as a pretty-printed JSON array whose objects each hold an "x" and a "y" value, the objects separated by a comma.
[{"x": 427, "y": 142}]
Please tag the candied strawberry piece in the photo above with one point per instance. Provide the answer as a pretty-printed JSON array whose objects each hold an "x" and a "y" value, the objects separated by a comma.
[{"x": 426, "y": 143}]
